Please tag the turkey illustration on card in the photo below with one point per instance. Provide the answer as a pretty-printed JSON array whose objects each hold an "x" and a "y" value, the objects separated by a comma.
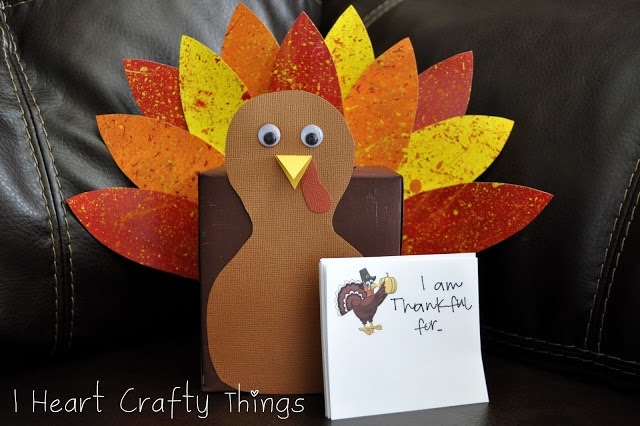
[{"x": 362, "y": 298}]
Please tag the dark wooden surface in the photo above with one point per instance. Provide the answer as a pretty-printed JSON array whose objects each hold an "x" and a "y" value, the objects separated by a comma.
[{"x": 518, "y": 394}]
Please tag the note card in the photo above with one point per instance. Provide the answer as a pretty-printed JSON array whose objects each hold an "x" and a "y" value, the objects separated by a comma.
[{"x": 400, "y": 333}]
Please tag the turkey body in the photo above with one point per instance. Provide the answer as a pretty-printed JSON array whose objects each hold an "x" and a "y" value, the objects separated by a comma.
[
  {"x": 363, "y": 303},
  {"x": 263, "y": 314}
]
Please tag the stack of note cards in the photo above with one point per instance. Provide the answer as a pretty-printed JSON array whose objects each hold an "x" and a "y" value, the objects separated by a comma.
[{"x": 400, "y": 333}]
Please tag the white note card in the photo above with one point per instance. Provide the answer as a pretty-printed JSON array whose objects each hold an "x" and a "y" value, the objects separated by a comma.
[{"x": 400, "y": 333}]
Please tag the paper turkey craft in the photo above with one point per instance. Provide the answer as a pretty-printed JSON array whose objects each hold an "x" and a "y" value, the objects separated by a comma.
[{"x": 411, "y": 123}]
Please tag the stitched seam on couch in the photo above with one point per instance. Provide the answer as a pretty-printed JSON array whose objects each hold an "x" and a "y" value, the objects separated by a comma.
[
  {"x": 5, "y": 6},
  {"x": 21, "y": 85},
  {"x": 603, "y": 264},
  {"x": 379, "y": 11},
  {"x": 620, "y": 250},
  {"x": 40, "y": 182},
  {"x": 560, "y": 346}
]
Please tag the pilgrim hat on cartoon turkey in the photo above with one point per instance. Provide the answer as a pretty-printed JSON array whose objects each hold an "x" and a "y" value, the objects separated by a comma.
[{"x": 364, "y": 276}]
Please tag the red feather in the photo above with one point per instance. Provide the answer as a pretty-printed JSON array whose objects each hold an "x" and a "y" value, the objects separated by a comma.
[{"x": 149, "y": 227}]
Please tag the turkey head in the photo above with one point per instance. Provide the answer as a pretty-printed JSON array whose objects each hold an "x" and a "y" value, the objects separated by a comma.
[{"x": 289, "y": 157}]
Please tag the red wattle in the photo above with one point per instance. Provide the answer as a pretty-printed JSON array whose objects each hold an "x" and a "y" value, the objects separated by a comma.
[{"x": 315, "y": 194}]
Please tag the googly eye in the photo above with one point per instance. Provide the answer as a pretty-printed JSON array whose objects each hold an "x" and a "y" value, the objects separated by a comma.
[
  {"x": 269, "y": 135},
  {"x": 311, "y": 135}
]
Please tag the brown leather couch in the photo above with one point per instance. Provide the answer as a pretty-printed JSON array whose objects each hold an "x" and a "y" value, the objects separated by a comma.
[{"x": 559, "y": 300}]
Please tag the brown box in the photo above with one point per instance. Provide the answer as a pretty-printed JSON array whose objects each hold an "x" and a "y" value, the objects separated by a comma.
[{"x": 369, "y": 217}]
